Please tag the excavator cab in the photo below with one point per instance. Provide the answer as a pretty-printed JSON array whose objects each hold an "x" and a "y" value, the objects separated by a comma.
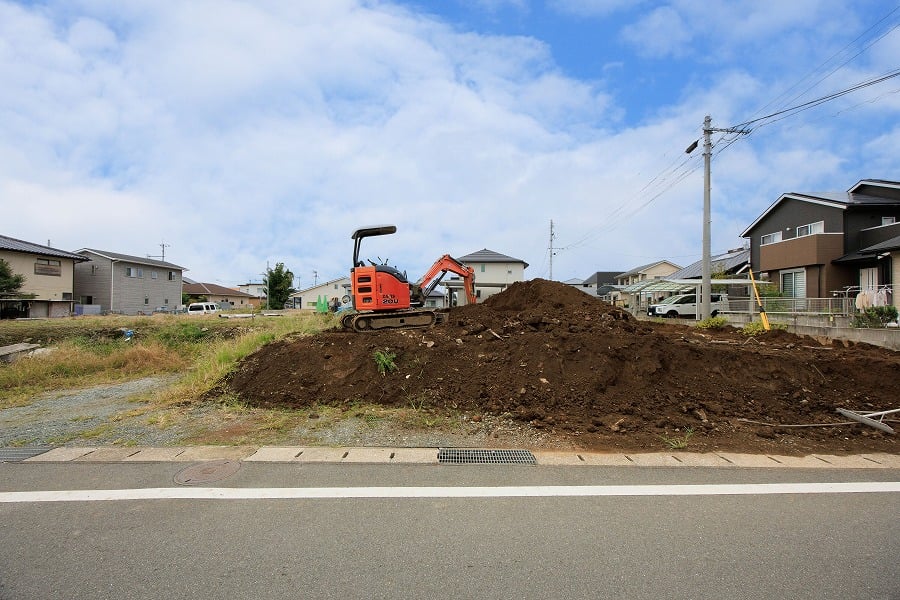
[
  {"x": 383, "y": 296},
  {"x": 376, "y": 287}
]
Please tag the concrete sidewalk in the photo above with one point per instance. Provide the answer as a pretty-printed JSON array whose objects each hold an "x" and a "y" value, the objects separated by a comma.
[{"x": 430, "y": 456}]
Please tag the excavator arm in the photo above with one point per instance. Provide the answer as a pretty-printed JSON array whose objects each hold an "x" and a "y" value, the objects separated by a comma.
[{"x": 446, "y": 264}]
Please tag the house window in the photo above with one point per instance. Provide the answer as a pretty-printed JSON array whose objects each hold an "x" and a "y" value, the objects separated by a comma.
[
  {"x": 888, "y": 220},
  {"x": 868, "y": 278},
  {"x": 67, "y": 295},
  {"x": 95, "y": 269},
  {"x": 811, "y": 229},
  {"x": 793, "y": 283},
  {"x": 133, "y": 272},
  {"x": 171, "y": 275},
  {"x": 146, "y": 299},
  {"x": 87, "y": 299},
  {"x": 770, "y": 238},
  {"x": 45, "y": 266},
  {"x": 152, "y": 274},
  {"x": 166, "y": 302}
]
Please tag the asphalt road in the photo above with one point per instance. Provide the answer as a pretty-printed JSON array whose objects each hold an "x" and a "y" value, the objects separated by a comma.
[{"x": 752, "y": 545}]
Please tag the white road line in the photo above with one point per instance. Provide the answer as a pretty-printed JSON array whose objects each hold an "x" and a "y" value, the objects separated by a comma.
[{"x": 202, "y": 493}]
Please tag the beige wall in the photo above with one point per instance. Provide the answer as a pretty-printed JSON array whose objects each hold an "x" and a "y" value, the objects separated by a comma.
[
  {"x": 45, "y": 287},
  {"x": 493, "y": 278}
]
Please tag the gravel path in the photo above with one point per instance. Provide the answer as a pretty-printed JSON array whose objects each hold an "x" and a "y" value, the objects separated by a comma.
[{"x": 54, "y": 419}]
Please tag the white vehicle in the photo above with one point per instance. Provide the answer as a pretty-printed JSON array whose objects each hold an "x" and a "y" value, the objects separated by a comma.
[
  {"x": 685, "y": 305},
  {"x": 202, "y": 308}
]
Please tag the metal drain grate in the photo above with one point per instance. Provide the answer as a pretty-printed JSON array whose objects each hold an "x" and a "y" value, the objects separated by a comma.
[
  {"x": 465, "y": 456},
  {"x": 20, "y": 454}
]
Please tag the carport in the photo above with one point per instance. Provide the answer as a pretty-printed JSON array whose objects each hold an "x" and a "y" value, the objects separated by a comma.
[{"x": 647, "y": 292}]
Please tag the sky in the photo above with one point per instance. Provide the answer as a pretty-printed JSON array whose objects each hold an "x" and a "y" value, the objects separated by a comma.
[{"x": 239, "y": 134}]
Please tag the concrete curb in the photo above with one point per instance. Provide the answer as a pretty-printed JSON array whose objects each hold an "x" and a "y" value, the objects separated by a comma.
[{"x": 309, "y": 455}]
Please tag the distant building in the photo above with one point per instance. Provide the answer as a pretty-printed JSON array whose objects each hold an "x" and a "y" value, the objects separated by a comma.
[
  {"x": 130, "y": 285},
  {"x": 219, "y": 294},
  {"x": 48, "y": 290}
]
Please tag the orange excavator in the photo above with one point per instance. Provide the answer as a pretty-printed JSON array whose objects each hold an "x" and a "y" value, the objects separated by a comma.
[{"x": 383, "y": 298}]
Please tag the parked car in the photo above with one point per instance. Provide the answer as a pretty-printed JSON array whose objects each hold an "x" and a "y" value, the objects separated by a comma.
[
  {"x": 685, "y": 305},
  {"x": 202, "y": 308}
]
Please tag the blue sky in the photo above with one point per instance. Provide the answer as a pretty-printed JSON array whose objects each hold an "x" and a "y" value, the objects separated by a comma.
[{"x": 247, "y": 133}]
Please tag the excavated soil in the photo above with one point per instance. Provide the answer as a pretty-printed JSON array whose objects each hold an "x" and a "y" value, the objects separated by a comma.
[{"x": 557, "y": 359}]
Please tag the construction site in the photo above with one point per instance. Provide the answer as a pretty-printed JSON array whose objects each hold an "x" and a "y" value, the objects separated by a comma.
[{"x": 592, "y": 376}]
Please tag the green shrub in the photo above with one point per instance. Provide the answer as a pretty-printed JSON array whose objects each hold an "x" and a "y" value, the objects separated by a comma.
[
  {"x": 713, "y": 323},
  {"x": 384, "y": 360},
  {"x": 757, "y": 328},
  {"x": 875, "y": 317}
]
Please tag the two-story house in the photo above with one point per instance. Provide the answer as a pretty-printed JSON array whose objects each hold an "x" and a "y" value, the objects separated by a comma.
[
  {"x": 494, "y": 272},
  {"x": 813, "y": 245},
  {"x": 656, "y": 270},
  {"x": 120, "y": 283},
  {"x": 48, "y": 290}
]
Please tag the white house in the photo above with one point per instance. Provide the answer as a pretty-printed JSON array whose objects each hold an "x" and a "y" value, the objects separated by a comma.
[
  {"x": 494, "y": 272},
  {"x": 336, "y": 288}
]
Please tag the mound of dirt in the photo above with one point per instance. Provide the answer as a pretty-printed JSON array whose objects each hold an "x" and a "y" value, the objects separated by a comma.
[{"x": 553, "y": 357}]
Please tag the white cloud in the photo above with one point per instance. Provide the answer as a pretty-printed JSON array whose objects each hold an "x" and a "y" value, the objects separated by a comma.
[
  {"x": 663, "y": 32},
  {"x": 243, "y": 132}
]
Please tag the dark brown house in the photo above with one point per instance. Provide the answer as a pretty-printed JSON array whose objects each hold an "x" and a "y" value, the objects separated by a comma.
[{"x": 812, "y": 245}]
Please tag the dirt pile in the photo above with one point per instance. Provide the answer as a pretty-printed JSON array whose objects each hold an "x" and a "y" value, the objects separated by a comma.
[{"x": 558, "y": 359}]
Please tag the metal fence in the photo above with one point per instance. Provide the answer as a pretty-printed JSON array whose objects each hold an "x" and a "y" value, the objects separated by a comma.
[{"x": 812, "y": 306}]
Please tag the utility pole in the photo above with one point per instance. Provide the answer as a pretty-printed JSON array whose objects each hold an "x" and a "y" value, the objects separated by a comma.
[
  {"x": 706, "y": 284},
  {"x": 706, "y": 277},
  {"x": 162, "y": 256},
  {"x": 551, "y": 249}
]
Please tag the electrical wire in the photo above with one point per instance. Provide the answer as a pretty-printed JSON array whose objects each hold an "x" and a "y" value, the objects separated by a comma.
[
  {"x": 680, "y": 168},
  {"x": 835, "y": 55}
]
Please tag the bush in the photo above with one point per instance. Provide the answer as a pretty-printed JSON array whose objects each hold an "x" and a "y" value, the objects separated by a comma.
[
  {"x": 875, "y": 317},
  {"x": 756, "y": 328},
  {"x": 713, "y": 323}
]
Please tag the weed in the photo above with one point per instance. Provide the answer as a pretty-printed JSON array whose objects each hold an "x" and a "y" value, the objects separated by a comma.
[
  {"x": 418, "y": 403},
  {"x": 384, "y": 361},
  {"x": 757, "y": 328},
  {"x": 713, "y": 323},
  {"x": 678, "y": 442}
]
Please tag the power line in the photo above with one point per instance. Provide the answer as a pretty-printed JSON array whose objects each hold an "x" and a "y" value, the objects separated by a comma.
[{"x": 818, "y": 101}]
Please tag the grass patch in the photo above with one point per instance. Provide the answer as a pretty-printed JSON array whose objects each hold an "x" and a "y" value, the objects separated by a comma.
[
  {"x": 756, "y": 328},
  {"x": 713, "y": 323},
  {"x": 678, "y": 442},
  {"x": 91, "y": 351}
]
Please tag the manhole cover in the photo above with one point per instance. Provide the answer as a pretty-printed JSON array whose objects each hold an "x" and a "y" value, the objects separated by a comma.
[
  {"x": 465, "y": 456},
  {"x": 207, "y": 472},
  {"x": 20, "y": 454}
]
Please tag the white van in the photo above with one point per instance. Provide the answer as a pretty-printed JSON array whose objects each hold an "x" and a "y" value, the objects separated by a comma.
[
  {"x": 685, "y": 305},
  {"x": 202, "y": 308}
]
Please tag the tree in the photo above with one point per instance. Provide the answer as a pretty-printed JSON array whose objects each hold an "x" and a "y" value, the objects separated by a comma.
[
  {"x": 279, "y": 285},
  {"x": 10, "y": 283}
]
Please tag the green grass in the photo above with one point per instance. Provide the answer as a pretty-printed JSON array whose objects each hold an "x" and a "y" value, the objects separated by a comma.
[
  {"x": 678, "y": 442},
  {"x": 89, "y": 351}
]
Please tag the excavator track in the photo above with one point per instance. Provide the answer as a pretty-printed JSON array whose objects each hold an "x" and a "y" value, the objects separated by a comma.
[{"x": 412, "y": 319}]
